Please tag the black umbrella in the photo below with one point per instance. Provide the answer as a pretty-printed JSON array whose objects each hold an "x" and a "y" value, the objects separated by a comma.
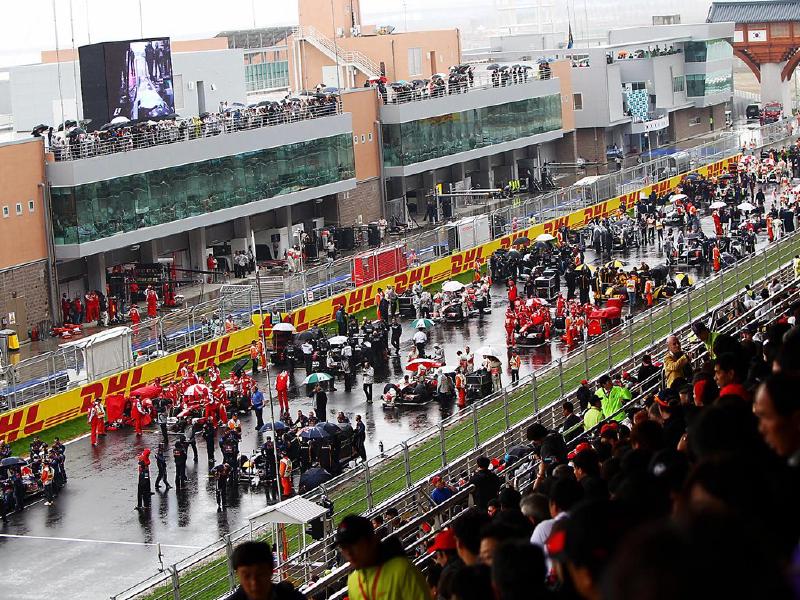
[
  {"x": 67, "y": 124},
  {"x": 76, "y": 132},
  {"x": 313, "y": 478},
  {"x": 513, "y": 254},
  {"x": 493, "y": 67},
  {"x": 40, "y": 128},
  {"x": 312, "y": 433},
  {"x": 84, "y": 122},
  {"x": 13, "y": 461},
  {"x": 329, "y": 428},
  {"x": 521, "y": 241},
  {"x": 204, "y": 115},
  {"x": 108, "y": 127}
]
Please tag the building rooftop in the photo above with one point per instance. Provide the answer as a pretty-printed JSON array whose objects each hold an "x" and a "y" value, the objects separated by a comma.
[
  {"x": 263, "y": 37},
  {"x": 757, "y": 11}
]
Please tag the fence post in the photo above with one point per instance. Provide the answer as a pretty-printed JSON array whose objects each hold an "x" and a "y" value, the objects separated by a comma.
[
  {"x": 505, "y": 409},
  {"x": 669, "y": 306},
  {"x": 475, "y": 430},
  {"x": 608, "y": 351},
  {"x": 689, "y": 303},
  {"x": 368, "y": 482},
  {"x": 650, "y": 323},
  {"x": 630, "y": 335},
  {"x": 535, "y": 394},
  {"x": 176, "y": 585},
  {"x": 228, "y": 564},
  {"x": 561, "y": 377},
  {"x": 586, "y": 360},
  {"x": 442, "y": 445},
  {"x": 706, "y": 285},
  {"x": 406, "y": 463}
]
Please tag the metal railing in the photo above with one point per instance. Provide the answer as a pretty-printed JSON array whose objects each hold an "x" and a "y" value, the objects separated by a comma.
[
  {"x": 140, "y": 136},
  {"x": 444, "y": 86},
  {"x": 42, "y": 376},
  {"x": 398, "y": 476},
  {"x": 349, "y": 57}
]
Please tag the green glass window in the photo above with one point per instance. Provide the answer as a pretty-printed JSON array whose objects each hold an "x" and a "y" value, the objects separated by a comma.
[
  {"x": 708, "y": 84},
  {"x": 96, "y": 210},
  {"x": 435, "y": 137},
  {"x": 707, "y": 51}
]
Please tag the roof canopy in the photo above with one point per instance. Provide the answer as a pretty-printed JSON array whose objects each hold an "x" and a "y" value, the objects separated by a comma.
[
  {"x": 294, "y": 511},
  {"x": 760, "y": 11}
]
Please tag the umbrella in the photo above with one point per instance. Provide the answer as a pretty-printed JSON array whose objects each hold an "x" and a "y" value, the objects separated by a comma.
[
  {"x": 422, "y": 324},
  {"x": 513, "y": 254},
  {"x": 726, "y": 176},
  {"x": 545, "y": 237},
  {"x": 746, "y": 206},
  {"x": 12, "y": 461},
  {"x": 489, "y": 351},
  {"x": 537, "y": 302},
  {"x": 616, "y": 264},
  {"x": 676, "y": 197},
  {"x": 197, "y": 389},
  {"x": 415, "y": 364},
  {"x": 493, "y": 67},
  {"x": 718, "y": 204},
  {"x": 317, "y": 378},
  {"x": 279, "y": 426},
  {"x": 119, "y": 120},
  {"x": 338, "y": 339},
  {"x": 521, "y": 241},
  {"x": 40, "y": 128},
  {"x": 283, "y": 327},
  {"x": 330, "y": 90},
  {"x": 584, "y": 267},
  {"x": 239, "y": 104},
  {"x": 67, "y": 124},
  {"x": 313, "y": 478},
  {"x": 693, "y": 176},
  {"x": 76, "y": 132},
  {"x": 452, "y": 286},
  {"x": 312, "y": 433},
  {"x": 329, "y": 428}
]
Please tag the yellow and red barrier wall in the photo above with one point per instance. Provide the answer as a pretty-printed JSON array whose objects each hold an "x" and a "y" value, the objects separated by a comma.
[{"x": 35, "y": 417}]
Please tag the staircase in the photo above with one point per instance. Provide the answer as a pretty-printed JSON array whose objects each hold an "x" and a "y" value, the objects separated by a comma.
[{"x": 347, "y": 58}]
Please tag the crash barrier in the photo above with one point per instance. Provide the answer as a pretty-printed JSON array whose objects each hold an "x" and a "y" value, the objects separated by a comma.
[
  {"x": 522, "y": 474},
  {"x": 398, "y": 476},
  {"x": 27, "y": 388},
  {"x": 46, "y": 375}
]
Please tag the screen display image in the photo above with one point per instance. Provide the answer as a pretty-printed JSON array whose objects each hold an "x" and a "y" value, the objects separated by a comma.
[{"x": 139, "y": 79}]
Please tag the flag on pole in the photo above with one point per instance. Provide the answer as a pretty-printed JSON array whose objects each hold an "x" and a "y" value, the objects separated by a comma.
[{"x": 570, "y": 41}]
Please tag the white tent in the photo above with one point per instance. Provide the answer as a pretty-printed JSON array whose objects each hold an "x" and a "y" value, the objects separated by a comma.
[
  {"x": 108, "y": 351},
  {"x": 294, "y": 511}
]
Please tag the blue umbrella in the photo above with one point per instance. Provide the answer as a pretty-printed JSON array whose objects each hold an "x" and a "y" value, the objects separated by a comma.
[
  {"x": 330, "y": 90},
  {"x": 312, "y": 433},
  {"x": 279, "y": 426}
]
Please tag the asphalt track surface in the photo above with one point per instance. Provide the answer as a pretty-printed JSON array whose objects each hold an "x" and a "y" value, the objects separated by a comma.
[{"x": 91, "y": 543}]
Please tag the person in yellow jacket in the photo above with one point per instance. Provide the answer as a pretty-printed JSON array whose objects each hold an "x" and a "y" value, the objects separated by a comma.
[
  {"x": 593, "y": 414},
  {"x": 612, "y": 398},
  {"x": 381, "y": 570}
]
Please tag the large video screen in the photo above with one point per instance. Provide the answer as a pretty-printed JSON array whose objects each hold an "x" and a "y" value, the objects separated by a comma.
[{"x": 139, "y": 79}]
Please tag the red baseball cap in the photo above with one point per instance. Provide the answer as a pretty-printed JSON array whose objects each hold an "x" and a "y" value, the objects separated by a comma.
[
  {"x": 579, "y": 448},
  {"x": 608, "y": 427},
  {"x": 444, "y": 540},
  {"x": 584, "y": 382}
]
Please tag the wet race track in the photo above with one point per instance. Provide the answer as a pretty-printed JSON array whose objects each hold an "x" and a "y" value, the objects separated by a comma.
[{"x": 92, "y": 543}]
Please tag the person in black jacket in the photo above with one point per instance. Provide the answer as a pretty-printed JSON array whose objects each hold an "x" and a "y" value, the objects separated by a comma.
[
  {"x": 487, "y": 484},
  {"x": 161, "y": 464},
  {"x": 253, "y": 564},
  {"x": 584, "y": 395}
]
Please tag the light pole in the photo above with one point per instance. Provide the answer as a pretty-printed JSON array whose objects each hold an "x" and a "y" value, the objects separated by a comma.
[{"x": 269, "y": 386}]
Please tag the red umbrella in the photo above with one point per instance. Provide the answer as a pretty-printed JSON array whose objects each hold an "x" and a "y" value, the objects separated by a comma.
[{"x": 197, "y": 390}]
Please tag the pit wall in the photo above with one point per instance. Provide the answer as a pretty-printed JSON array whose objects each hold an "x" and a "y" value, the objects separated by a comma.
[{"x": 44, "y": 414}]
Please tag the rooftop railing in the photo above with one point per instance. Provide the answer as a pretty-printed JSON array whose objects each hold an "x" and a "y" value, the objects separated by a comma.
[{"x": 138, "y": 136}]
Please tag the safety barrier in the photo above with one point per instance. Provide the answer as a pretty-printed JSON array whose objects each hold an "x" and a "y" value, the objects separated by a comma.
[{"x": 399, "y": 475}]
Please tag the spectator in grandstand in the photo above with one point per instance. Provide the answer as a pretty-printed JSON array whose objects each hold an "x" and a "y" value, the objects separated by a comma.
[
  {"x": 494, "y": 534},
  {"x": 564, "y": 494},
  {"x": 647, "y": 370},
  {"x": 728, "y": 374},
  {"x": 518, "y": 572},
  {"x": 778, "y": 413},
  {"x": 252, "y": 562},
  {"x": 393, "y": 519},
  {"x": 594, "y": 415},
  {"x": 708, "y": 337},
  {"x": 536, "y": 508},
  {"x": 510, "y": 513},
  {"x": 584, "y": 394},
  {"x": 486, "y": 483},
  {"x": 586, "y": 465},
  {"x": 547, "y": 444},
  {"x": 612, "y": 398},
  {"x": 677, "y": 363},
  {"x": 380, "y": 568},
  {"x": 446, "y": 556},
  {"x": 473, "y": 583},
  {"x": 441, "y": 491},
  {"x": 570, "y": 427},
  {"x": 467, "y": 528}
]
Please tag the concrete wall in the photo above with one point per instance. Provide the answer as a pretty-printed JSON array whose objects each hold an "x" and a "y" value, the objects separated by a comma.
[
  {"x": 362, "y": 105},
  {"x": 328, "y": 16},
  {"x": 562, "y": 69},
  {"x": 36, "y": 95},
  {"x": 22, "y": 237},
  {"x": 679, "y": 121},
  {"x": 697, "y": 31},
  {"x": 5, "y": 96},
  {"x": 363, "y": 202},
  {"x": 24, "y": 291}
]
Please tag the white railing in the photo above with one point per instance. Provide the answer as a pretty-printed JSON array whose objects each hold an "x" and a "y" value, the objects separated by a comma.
[{"x": 348, "y": 57}]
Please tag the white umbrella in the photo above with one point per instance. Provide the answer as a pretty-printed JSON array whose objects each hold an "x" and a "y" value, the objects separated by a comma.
[
  {"x": 283, "y": 327},
  {"x": 718, "y": 204},
  {"x": 452, "y": 286},
  {"x": 120, "y": 119},
  {"x": 545, "y": 237},
  {"x": 489, "y": 351},
  {"x": 197, "y": 389},
  {"x": 338, "y": 339},
  {"x": 676, "y": 197},
  {"x": 746, "y": 206}
]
